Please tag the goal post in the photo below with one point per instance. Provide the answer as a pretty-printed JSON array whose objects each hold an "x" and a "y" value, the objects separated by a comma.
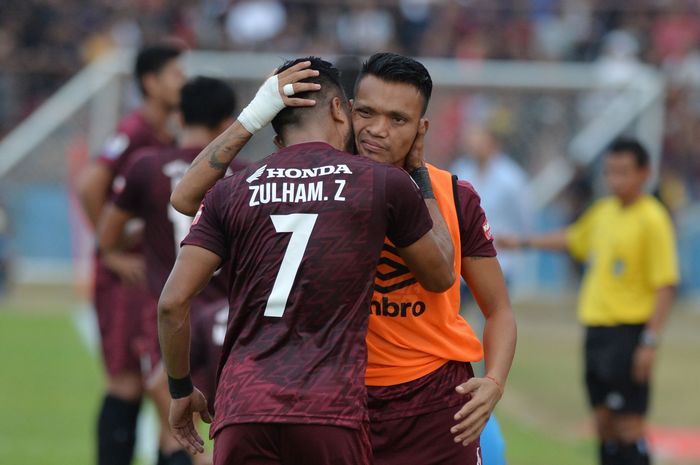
[{"x": 554, "y": 119}]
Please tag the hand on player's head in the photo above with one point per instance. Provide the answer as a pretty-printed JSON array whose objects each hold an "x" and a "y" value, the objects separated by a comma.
[
  {"x": 271, "y": 98},
  {"x": 292, "y": 76}
]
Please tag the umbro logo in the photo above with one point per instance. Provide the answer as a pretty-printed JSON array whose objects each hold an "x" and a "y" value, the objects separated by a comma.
[
  {"x": 389, "y": 270},
  {"x": 392, "y": 276}
]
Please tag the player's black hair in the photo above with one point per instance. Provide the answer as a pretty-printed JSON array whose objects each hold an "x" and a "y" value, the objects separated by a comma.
[
  {"x": 626, "y": 145},
  {"x": 328, "y": 77},
  {"x": 392, "y": 67},
  {"x": 206, "y": 102},
  {"x": 153, "y": 59}
]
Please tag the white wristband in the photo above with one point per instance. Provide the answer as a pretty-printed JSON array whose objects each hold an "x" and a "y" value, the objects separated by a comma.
[{"x": 263, "y": 108}]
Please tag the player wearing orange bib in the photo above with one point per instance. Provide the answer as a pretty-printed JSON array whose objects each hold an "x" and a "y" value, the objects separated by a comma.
[
  {"x": 410, "y": 334},
  {"x": 416, "y": 361}
]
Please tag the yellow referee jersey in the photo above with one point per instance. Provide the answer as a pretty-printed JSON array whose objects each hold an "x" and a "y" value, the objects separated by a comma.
[{"x": 630, "y": 252}]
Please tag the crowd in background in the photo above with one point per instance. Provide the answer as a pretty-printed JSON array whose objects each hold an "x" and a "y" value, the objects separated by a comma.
[{"x": 44, "y": 42}]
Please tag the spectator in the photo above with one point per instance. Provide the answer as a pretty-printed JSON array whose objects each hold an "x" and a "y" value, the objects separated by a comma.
[{"x": 502, "y": 185}]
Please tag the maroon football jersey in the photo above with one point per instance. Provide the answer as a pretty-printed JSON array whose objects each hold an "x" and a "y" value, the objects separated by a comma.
[
  {"x": 133, "y": 133},
  {"x": 208, "y": 332},
  {"x": 302, "y": 229},
  {"x": 148, "y": 184}
]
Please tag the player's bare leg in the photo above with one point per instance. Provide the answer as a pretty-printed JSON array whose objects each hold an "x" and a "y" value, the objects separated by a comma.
[{"x": 127, "y": 386}]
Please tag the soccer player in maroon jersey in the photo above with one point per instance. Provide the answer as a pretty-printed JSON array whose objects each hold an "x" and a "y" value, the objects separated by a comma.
[
  {"x": 120, "y": 295},
  {"x": 206, "y": 109},
  {"x": 411, "y": 418},
  {"x": 301, "y": 230}
]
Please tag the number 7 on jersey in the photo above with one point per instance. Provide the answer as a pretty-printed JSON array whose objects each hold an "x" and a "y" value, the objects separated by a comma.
[{"x": 300, "y": 225}]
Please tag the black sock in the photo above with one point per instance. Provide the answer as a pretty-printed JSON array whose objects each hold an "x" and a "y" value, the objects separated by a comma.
[
  {"x": 116, "y": 431},
  {"x": 609, "y": 453},
  {"x": 180, "y": 457},
  {"x": 636, "y": 453}
]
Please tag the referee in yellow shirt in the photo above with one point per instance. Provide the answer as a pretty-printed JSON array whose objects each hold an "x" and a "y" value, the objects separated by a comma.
[{"x": 628, "y": 245}]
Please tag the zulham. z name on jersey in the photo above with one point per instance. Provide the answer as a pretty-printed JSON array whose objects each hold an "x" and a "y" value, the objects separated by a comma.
[{"x": 296, "y": 192}]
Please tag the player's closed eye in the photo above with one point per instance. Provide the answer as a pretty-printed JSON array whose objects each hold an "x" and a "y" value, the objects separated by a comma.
[{"x": 363, "y": 112}]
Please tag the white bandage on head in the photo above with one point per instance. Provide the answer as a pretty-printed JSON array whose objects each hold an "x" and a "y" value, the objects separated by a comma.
[
  {"x": 263, "y": 108},
  {"x": 288, "y": 89}
]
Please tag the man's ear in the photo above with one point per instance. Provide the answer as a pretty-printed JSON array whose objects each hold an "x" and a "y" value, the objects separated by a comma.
[
  {"x": 337, "y": 110},
  {"x": 424, "y": 124},
  {"x": 351, "y": 102},
  {"x": 277, "y": 140}
]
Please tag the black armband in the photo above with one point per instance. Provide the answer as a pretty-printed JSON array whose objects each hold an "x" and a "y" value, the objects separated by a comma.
[
  {"x": 181, "y": 387},
  {"x": 422, "y": 179}
]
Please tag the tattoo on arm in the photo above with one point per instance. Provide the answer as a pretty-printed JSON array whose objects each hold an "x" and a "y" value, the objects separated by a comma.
[
  {"x": 213, "y": 161},
  {"x": 230, "y": 148}
]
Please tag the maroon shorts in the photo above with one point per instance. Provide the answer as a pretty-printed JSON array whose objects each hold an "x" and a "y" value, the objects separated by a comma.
[
  {"x": 291, "y": 444},
  {"x": 127, "y": 321},
  {"x": 410, "y": 422}
]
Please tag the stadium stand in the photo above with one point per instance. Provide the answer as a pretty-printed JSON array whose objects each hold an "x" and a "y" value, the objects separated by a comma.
[{"x": 43, "y": 43}]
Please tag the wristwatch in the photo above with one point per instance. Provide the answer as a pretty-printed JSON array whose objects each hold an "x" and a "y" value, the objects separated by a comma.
[{"x": 648, "y": 338}]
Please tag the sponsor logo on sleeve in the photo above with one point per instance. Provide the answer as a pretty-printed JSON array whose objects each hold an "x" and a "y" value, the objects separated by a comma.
[
  {"x": 198, "y": 215},
  {"x": 115, "y": 146},
  {"x": 487, "y": 230}
]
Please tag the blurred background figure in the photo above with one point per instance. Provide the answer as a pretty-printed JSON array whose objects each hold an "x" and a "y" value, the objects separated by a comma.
[
  {"x": 349, "y": 67},
  {"x": 503, "y": 187},
  {"x": 121, "y": 299},
  {"x": 628, "y": 244}
]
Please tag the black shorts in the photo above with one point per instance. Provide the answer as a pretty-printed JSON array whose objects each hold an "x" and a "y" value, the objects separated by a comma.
[{"x": 609, "y": 355}]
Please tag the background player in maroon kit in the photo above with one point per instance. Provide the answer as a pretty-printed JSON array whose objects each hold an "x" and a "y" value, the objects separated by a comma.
[
  {"x": 207, "y": 107},
  {"x": 120, "y": 294},
  {"x": 291, "y": 384},
  {"x": 208, "y": 331}
]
